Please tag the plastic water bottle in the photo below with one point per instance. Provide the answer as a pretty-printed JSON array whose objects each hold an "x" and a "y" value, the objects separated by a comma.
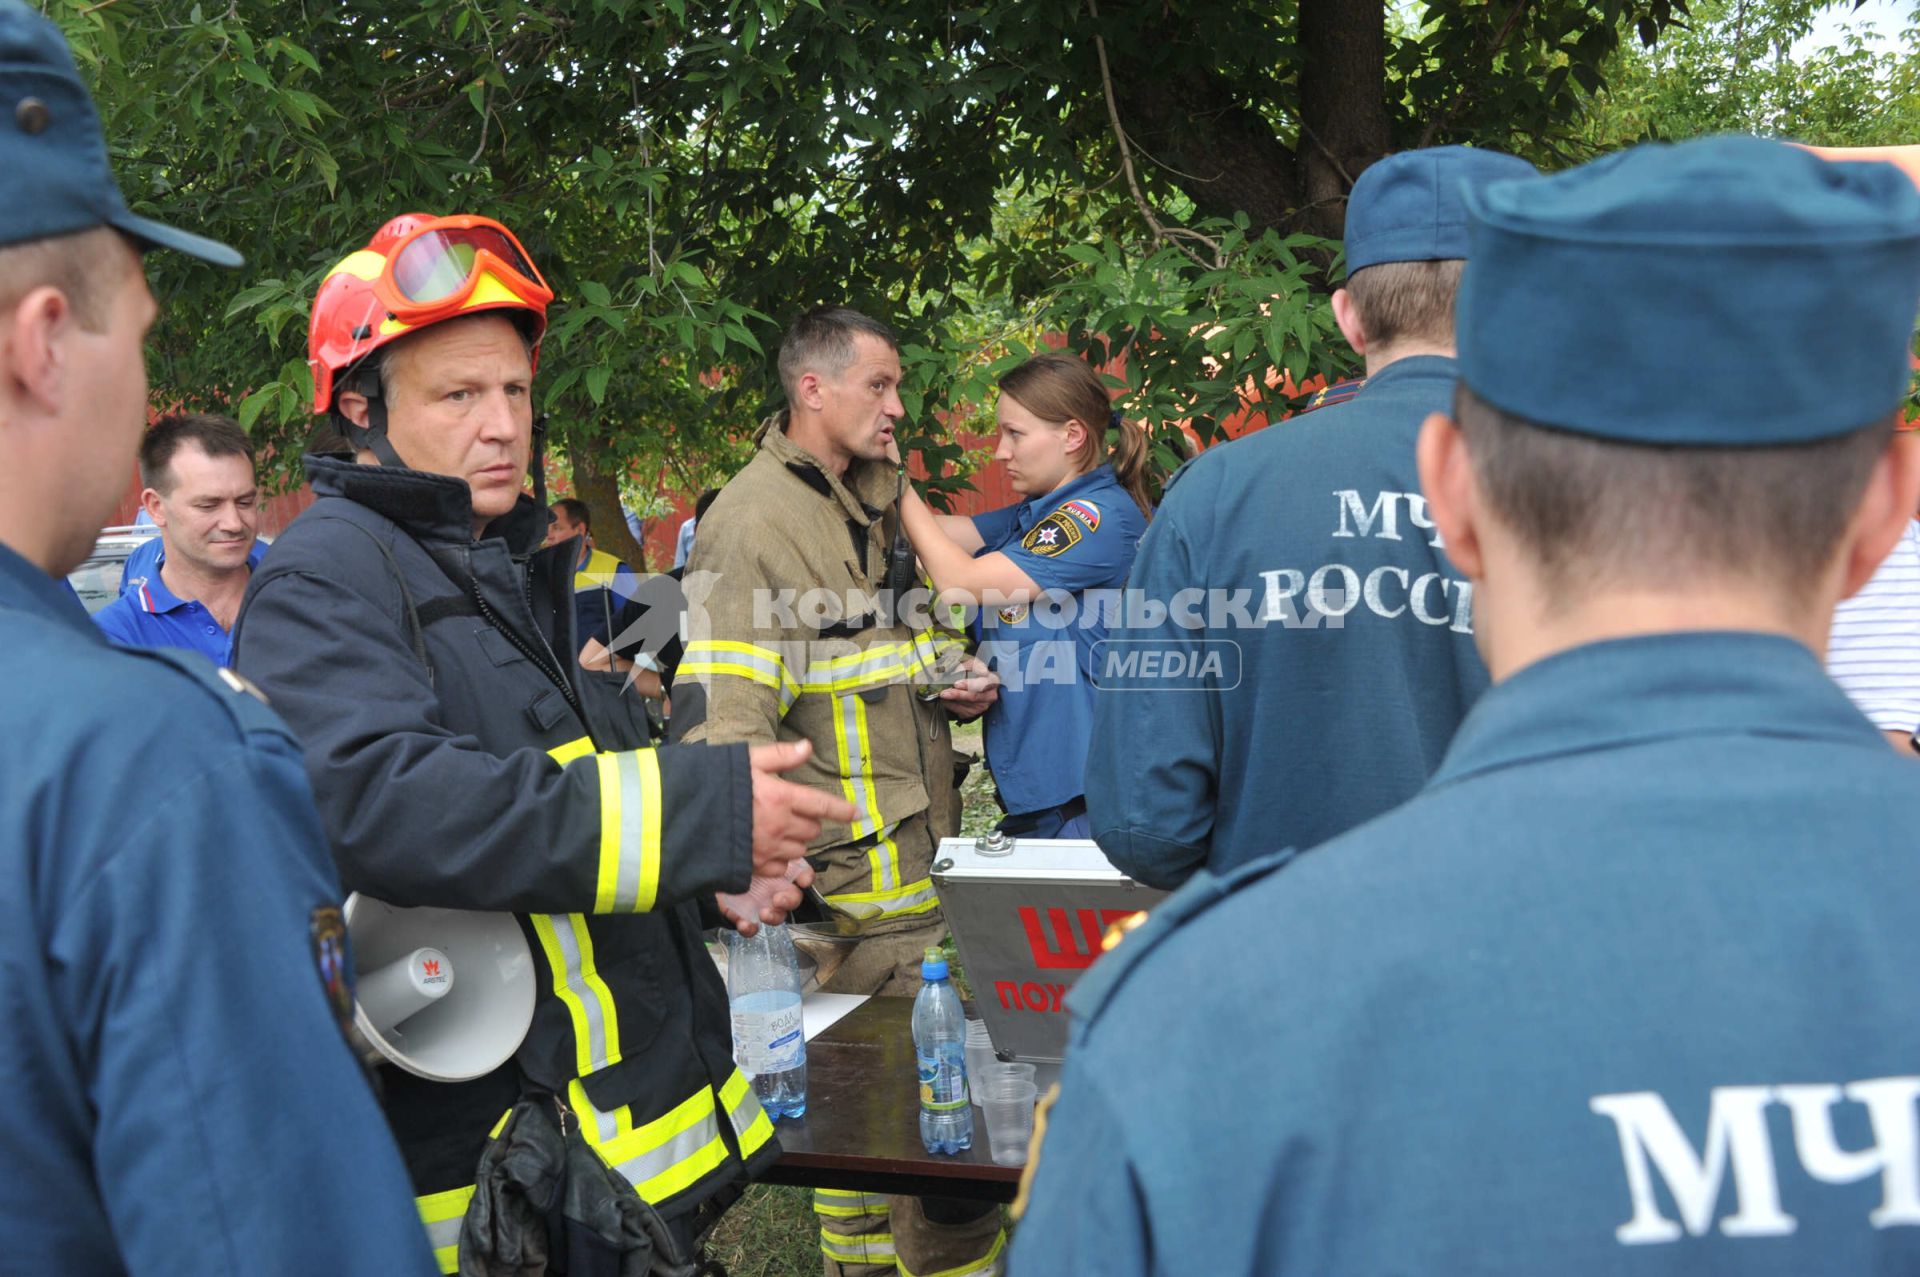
[
  {"x": 940, "y": 1044},
  {"x": 763, "y": 985}
]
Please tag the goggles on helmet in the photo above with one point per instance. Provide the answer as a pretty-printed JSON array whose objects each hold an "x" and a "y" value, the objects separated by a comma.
[{"x": 433, "y": 270}]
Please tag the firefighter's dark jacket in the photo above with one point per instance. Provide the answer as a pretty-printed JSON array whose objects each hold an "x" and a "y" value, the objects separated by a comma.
[{"x": 461, "y": 758}]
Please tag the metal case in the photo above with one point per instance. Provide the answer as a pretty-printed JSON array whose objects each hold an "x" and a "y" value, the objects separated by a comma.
[{"x": 1027, "y": 917}]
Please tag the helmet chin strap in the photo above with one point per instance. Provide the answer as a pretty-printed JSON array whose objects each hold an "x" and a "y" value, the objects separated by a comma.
[
  {"x": 537, "y": 463},
  {"x": 373, "y": 435}
]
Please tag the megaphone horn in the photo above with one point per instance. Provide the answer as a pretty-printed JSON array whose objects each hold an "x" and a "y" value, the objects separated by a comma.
[{"x": 446, "y": 994}]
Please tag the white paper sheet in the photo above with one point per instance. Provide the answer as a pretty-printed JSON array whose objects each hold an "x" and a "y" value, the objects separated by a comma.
[{"x": 819, "y": 1010}]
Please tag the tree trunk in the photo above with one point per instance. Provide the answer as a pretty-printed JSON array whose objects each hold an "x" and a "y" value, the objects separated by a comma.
[
  {"x": 1224, "y": 156},
  {"x": 601, "y": 492},
  {"x": 1343, "y": 103}
]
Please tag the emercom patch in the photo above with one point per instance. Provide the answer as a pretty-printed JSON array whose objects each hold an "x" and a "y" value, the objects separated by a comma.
[{"x": 1052, "y": 536}]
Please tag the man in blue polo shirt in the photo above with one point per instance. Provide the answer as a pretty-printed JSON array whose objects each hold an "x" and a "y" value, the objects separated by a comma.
[
  {"x": 1628, "y": 987},
  {"x": 201, "y": 492},
  {"x": 1340, "y": 638}
]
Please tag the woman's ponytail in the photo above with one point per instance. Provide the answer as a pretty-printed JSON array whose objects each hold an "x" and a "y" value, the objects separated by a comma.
[{"x": 1132, "y": 461}]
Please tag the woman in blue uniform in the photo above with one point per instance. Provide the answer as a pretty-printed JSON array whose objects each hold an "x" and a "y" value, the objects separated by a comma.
[{"x": 1030, "y": 568}]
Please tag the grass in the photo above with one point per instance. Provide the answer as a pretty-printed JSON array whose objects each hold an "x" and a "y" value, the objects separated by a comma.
[{"x": 770, "y": 1232}]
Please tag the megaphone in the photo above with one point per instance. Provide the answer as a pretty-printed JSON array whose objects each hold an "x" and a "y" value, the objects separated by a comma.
[{"x": 446, "y": 994}]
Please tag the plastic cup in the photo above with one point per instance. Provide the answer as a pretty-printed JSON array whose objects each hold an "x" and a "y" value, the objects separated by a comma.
[
  {"x": 979, "y": 1050},
  {"x": 1007, "y": 1102},
  {"x": 997, "y": 1068}
]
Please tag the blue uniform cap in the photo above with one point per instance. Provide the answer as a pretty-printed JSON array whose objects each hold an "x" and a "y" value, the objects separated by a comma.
[
  {"x": 1728, "y": 291},
  {"x": 51, "y": 149},
  {"x": 1407, "y": 207}
]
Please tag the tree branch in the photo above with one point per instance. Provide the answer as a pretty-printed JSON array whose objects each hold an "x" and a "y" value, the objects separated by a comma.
[{"x": 1160, "y": 232}]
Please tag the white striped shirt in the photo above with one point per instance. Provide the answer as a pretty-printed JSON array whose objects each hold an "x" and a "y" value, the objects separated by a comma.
[{"x": 1874, "y": 653}]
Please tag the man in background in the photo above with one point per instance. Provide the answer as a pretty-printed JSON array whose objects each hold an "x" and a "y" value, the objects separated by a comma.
[
  {"x": 602, "y": 584},
  {"x": 200, "y": 490},
  {"x": 1324, "y": 585},
  {"x": 812, "y": 518}
]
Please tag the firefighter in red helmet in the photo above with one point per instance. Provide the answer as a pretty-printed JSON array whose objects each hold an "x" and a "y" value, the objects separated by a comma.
[{"x": 412, "y": 630}]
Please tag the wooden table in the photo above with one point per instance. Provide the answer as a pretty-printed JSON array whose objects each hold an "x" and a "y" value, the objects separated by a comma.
[{"x": 862, "y": 1126}]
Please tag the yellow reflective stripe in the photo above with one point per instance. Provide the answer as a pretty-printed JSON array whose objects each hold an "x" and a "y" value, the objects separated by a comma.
[
  {"x": 915, "y": 897},
  {"x": 877, "y": 664},
  {"x": 576, "y": 982},
  {"x": 875, "y": 667},
  {"x": 442, "y": 1214},
  {"x": 985, "y": 1266},
  {"x": 500, "y": 1125},
  {"x": 750, "y": 1121},
  {"x": 647, "y": 891},
  {"x": 787, "y": 690},
  {"x": 886, "y": 869},
  {"x": 669, "y": 1154},
  {"x": 700, "y": 647},
  {"x": 599, "y": 1128},
  {"x": 841, "y": 1203},
  {"x": 612, "y": 830},
  {"x": 885, "y": 855},
  {"x": 856, "y": 768},
  {"x": 857, "y": 1248},
  {"x": 746, "y": 660},
  {"x": 629, "y": 879},
  {"x": 573, "y": 749}
]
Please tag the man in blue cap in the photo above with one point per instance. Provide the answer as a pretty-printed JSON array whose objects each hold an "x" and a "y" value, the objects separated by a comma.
[
  {"x": 1320, "y": 643},
  {"x": 183, "y": 1098},
  {"x": 1628, "y": 987}
]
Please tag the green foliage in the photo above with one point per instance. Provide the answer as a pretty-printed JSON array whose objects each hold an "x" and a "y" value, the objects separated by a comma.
[
  {"x": 691, "y": 173},
  {"x": 1514, "y": 73},
  {"x": 1732, "y": 70}
]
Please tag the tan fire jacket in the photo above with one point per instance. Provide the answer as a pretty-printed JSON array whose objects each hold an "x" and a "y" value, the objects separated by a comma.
[{"x": 789, "y": 637}]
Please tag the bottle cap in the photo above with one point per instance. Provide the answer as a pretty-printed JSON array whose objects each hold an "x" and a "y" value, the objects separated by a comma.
[{"x": 933, "y": 965}]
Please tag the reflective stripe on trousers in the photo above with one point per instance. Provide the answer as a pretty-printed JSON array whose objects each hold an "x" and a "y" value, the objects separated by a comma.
[
  {"x": 987, "y": 1265},
  {"x": 443, "y": 1213}
]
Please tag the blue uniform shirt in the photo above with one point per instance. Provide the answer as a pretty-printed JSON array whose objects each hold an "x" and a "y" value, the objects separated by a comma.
[
  {"x": 1627, "y": 989},
  {"x": 181, "y": 1098},
  {"x": 1300, "y": 586},
  {"x": 148, "y": 614},
  {"x": 1078, "y": 538}
]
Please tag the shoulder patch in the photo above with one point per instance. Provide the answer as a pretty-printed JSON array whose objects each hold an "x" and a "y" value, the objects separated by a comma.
[
  {"x": 327, "y": 934},
  {"x": 241, "y": 683},
  {"x": 1052, "y": 537},
  {"x": 1144, "y": 932},
  {"x": 1338, "y": 392},
  {"x": 1039, "y": 1137},
  {"x": 1085, "y": 511}
]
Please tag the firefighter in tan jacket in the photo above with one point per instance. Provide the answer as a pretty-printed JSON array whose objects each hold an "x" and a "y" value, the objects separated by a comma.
[{"x": 796, "y": 632}]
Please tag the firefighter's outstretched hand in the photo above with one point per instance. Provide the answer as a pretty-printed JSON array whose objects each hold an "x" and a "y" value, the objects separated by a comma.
[
  {"x": 786, "y": 816},
  {"x": 769, "y": 899}
]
